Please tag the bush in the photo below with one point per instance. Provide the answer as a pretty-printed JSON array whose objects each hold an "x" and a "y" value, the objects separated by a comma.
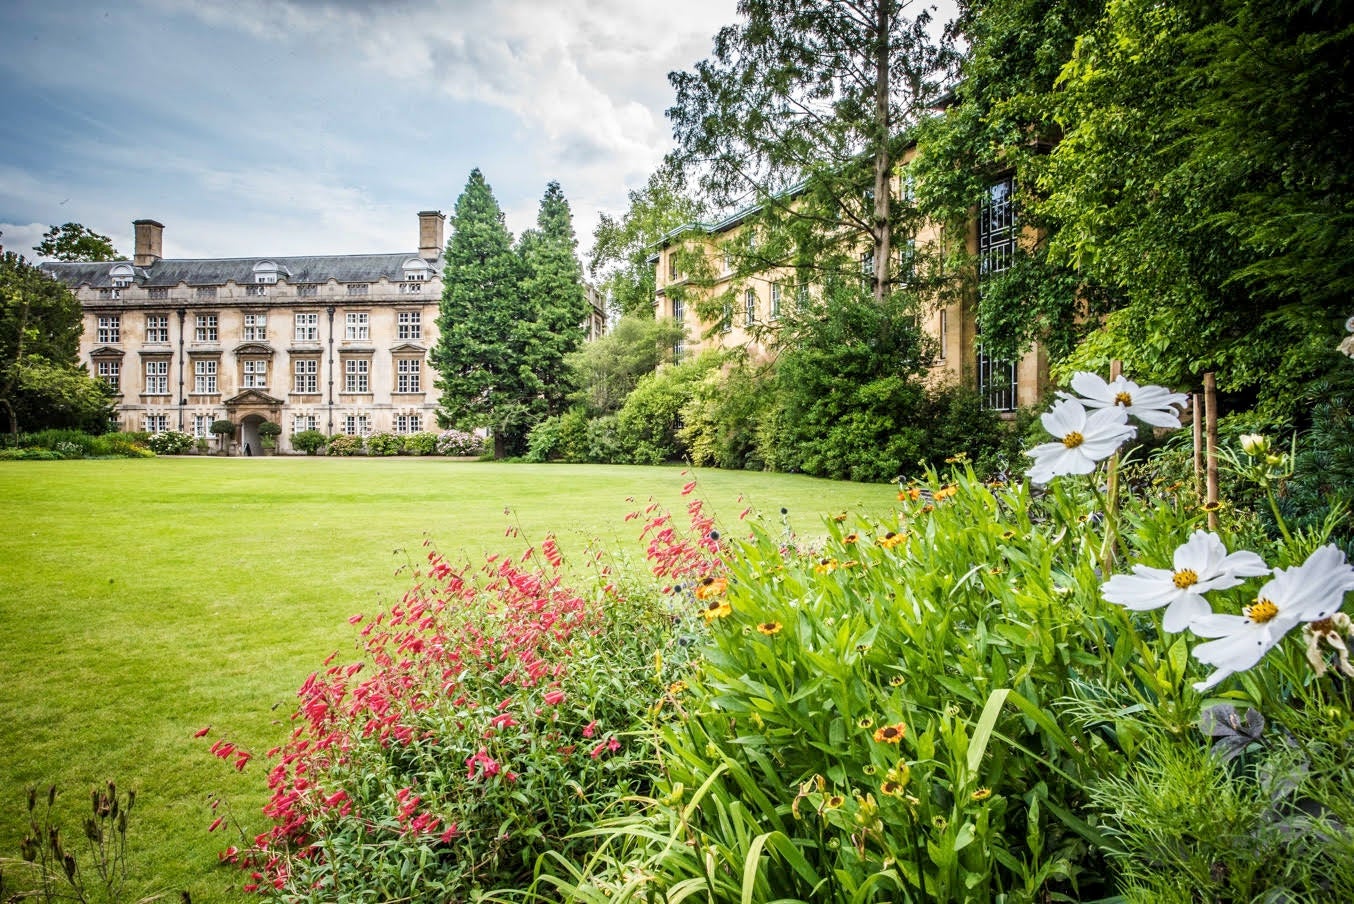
[
  {"x": 269, "y": 430},
  {"x": 603, "y": 445},
  {"x": 342, "y": 444},
  {"x": 562, "y": 438},
  {"x": 720, "y": 423},
  {"x": 648, "y": 425},
  {"x": 424, "y": 443},
  {"x": 459, "y": 443},
  {"x": 488, "y": 719},
  {"x": 384, "y": 444},
  {"x": 222, "y": 427},
  {"x": 133, "y": 444},
  {"x": 309, "y": 441},
  {"x": 170, "y": 442},
  {"x": 74, "y": 441}
]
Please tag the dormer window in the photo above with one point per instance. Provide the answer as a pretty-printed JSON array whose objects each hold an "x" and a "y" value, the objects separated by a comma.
[
  {"x": 265, "y": 274},
  {"x": 415, "y": 272},
  {"x": 121, "y": 276}
]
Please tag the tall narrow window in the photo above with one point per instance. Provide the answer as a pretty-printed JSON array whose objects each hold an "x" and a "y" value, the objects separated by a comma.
[
  {"x": 157, "y": 423},
  {"x": 202, "y": 426},
  {"x": 302, "y": 422},
  {"x": 157, "y": 377},
  {"x": 157, "y": 328},
  {"x": 996, "y": 251},
  {"x": 679, "y": 318},
  {"x": 358, "y": 325},
  {"x": 110, "y": 329},
  {"x": 750, "y": 306},
  {"x": 305, "y": 376},
  {"x": 111, "y": 373},
  {"x": 356, "y": 375},
  {"x": 255, "y": 327},
  {"x": 205, "y": 328},
  {"x": 307, "y": 326},
  {"x": 407, "y": 375},
  {"x": 943, "y": 332},
  {"x": 409, "y": 324},
  {"x": 204, "y": 376},
  {"x": 775, "y": 301},
  {"x": 726, "y": 317},
  {"x": 255, "y": 374}
]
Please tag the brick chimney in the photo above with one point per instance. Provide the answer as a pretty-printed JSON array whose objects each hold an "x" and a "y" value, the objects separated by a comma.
[
  {"x": 431, "y": 241},
  {"x": 149, "y": 242}
]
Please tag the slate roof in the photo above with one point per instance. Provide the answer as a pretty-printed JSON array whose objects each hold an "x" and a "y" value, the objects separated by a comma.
[{"x": 345, "y": 268}]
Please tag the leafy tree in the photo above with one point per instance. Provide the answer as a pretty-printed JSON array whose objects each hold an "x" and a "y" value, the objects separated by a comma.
[
  {"x": 802, "y": 109},
  {"x": 481, "y": 356},
  {"x": 1205, "y": 174},
  {"x": 621, "y": 248},
  {"x": 850, "y": 376},
  {"x": 1003, "y": 120},
  {"x": 608, "y": 368},
  {"x": 41, "y": 384},
  {"x": 74, "y": 242},
  {"x": 553, "y": 288}
]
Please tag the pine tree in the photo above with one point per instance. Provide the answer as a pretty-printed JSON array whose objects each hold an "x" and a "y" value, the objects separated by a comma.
[
  {"x": 553, "y": 288},
  {"x": 483, "y": 325}
]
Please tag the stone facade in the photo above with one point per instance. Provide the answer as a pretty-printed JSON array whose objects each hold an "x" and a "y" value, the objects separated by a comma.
[
  {"x": 334, "y": 343},
  {"x": 759, "y": 299}
]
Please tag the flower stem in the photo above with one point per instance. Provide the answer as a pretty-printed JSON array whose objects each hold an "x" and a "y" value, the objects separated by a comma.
[{"x": 1278, "y": 518}]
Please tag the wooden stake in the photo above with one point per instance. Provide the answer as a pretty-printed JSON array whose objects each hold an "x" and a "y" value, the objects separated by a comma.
[
  {"x": 1196, "y": 404},
  {"x": 1211, "y": 429}
]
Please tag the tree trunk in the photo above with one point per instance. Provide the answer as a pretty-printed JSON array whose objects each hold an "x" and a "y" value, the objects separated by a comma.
[{"x": 883, "y": 159}]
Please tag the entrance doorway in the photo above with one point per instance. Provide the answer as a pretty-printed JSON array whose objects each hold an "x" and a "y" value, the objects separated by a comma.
[{"x": 250, "y": 441}]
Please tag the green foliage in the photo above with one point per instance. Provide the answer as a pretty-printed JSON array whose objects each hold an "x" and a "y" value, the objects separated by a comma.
[
  {"x": 563, "y": 438},
  {"x": 648, "y": 424},
  {"x": 222, "y": 427},
  {"x": 424, "y": 443},
  {"x": 342, "y": 444},
  {"x": 75, "y": 242},
  {"x": 41, "y": 384},
  {"x": 608, "y": 368},
  {"x": 553, "y": 286},
  {"x": 721, "y": 421},
  {"x": 850, "y": 377},
  {"x": 621, "y": 248},
  {"x": 170, "y": 442},
  {"x": 384, "y": 444},
  {"x": 484, "y": 325},
  {"x": 269, "y": 430},
  {"x": 309, "y": 441},
  {"x": 808, "y": 97}
]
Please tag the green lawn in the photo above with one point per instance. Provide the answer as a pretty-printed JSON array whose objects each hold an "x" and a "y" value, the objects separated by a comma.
[{"x": 141, "y": 600}]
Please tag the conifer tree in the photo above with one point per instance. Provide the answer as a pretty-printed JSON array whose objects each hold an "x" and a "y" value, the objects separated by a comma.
[
  {"x": 480, "y": 356},
  {"x": 553, "y": 289}
]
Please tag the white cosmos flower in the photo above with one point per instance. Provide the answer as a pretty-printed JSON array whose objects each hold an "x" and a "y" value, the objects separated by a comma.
[
  {"x": 1149, "y": 404},
  {"x": 1304, "y": 593},
  {"x": 1199, "y": 565},
  {"x": 1083, "y": 439}
]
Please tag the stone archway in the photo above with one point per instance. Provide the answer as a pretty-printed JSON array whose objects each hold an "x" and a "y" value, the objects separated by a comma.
[{"x": 248, "y": 410}]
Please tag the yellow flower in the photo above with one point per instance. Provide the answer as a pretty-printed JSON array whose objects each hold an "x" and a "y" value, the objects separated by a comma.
[
  {"x": 897, "y": 681},
  {"x": 825, "y": 566},
  {"x": 834, "y": 802},
  {"x": 770, "y": 628},
  {"x": 1008, "y": 535},
  {"x": 890, "y": 540},
  {"x": 716, "y": 609},
  {"x": 945, "y": 492},
  {"x": 981, "y": 794},
  {"x": 1211, "y": 506},
  {"x": 892, "y": 789},
  {"x": 866, "y": 722},
  {"x": 890, "y": 734},
  {"x": 676, "y": 687},
  {"x": 850, "y": 538},
  {"x": 900, "y": 774},
  {"x": 709, "y": 587}
]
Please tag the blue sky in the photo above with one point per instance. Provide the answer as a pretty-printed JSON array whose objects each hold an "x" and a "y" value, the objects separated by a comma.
[{"x": 257, "y": 127}]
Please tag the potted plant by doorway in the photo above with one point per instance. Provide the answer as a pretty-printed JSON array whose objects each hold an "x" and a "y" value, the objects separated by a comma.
[
  {"x": 268, "y": 433},
  {"x": 224, "y": 430}
]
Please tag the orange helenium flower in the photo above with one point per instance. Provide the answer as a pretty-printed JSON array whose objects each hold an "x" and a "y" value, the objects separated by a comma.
[
  {"x": 890, "y": 734},
  {"x": 710, "y": 587},
  {"x": 769, "y": 628}
]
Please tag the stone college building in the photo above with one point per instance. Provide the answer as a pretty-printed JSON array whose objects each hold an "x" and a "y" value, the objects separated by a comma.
[{"x": 334, "y": 343}]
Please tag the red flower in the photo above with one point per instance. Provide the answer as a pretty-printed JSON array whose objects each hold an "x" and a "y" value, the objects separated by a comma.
[
  {"x": 202, "y": 732},
  {"x": 590, "y": 729},
  {"x": 554, "y": 698},
  {"x": 216, "y": 823}
]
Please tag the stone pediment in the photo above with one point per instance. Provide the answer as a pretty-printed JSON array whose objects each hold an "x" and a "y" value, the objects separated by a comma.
[
  {"x": 255, "y": 349},
  {"x": 408, "y": 348},
  {"x": 107, "y": 351},
  {"x": 252, "y": 397}
]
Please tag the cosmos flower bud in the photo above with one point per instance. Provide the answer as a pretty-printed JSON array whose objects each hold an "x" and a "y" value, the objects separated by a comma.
[{"x": 1254, "y": 444}]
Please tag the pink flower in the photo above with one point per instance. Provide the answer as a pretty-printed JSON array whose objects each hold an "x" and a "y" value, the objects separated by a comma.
[
  {"x": 554, "y": 698},
  {"x": 202, "y": 732},
  {"x": 597, "y": 751},
  {"x": 613, "y": 745},
  {"x": 590, "y": 729}
]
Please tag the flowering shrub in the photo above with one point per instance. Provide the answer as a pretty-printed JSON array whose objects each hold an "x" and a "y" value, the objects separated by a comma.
[
  {"x": 170, "y": 442},
  {"x": 459, "y": 443},
  {"x": 342, "y": 444},
  {"x": 384, "y": 444},
  {"x": 424, "y": 443},
  {"x": 490, "y": 716}
]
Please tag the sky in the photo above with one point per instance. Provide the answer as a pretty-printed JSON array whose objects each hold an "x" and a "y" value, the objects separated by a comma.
[{"x": 293, "y": 127}]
